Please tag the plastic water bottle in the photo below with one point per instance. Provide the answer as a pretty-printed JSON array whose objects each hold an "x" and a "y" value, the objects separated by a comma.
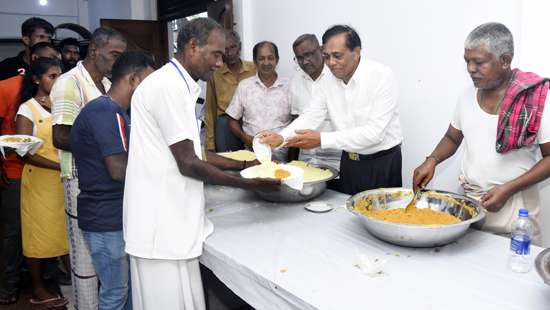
[{"x": 520, "y": 244}]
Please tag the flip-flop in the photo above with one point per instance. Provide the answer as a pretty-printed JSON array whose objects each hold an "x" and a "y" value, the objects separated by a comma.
[
  {"x": 56, "y": 305},
  {"x": 47, "y": 301}
]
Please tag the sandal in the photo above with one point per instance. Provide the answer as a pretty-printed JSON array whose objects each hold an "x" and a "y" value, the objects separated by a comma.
[
  {"x": 53, "y": 302},
  {"x": 8, "y": 300},
  {"x": 58, "y": 305}
]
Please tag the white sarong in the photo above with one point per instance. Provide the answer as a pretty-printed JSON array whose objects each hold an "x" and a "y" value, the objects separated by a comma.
[{"x": 166, "y": 284}]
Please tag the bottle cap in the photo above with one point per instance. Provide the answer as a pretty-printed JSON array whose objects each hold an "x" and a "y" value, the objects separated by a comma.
[{"x": 523, "y": 212}]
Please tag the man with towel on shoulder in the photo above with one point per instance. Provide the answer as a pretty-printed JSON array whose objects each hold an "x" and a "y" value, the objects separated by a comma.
[{"x": 503, "y": 123}]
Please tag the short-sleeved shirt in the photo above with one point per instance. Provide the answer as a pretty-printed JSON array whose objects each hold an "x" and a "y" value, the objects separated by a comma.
[
  {"x": 10, "y": 97},
  {"x": 13, "y": 66},
  {"x": 100, "y": 130},
  {"x": 25, "y": 110},
  {"x": 164, "y": 214},
  {"x": 219, "y": 92},
  {"x": 261, "y": 107},
  {"x": 70, "y": 92},
  {"x": 482, "y": 165}
]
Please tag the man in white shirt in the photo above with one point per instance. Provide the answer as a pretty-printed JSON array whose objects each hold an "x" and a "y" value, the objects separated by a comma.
[
  {"x": 501, "y": 175},
  {"x": 360, "y": 98},
  {"x": 261, "y": 101},
  {"x": 307, "y": 54},
  {"x": 163, "y": 219}
]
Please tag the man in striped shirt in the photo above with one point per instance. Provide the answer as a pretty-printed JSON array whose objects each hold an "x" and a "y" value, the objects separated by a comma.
[
  {"x": 99, "y": 143},
  {"x": 70, "y": 93}
]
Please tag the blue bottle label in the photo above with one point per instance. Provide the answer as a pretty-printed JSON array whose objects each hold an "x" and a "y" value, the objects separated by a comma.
[{"x": 520, "y": 245}]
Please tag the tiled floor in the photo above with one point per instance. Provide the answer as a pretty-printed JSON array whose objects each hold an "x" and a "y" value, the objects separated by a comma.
[{"x": 67, "y": 291}]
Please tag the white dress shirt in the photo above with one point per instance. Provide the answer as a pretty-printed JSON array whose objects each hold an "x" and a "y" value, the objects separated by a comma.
[
  {"x": 363, "y": 112},
  {"x": 301, "y": 96},
  {"x": 163, "y": 209}
]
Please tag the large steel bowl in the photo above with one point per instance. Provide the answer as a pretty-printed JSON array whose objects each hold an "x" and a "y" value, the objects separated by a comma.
[
  {"x": 309, "y": 191},
  {"x": 542, "y": 264},
  {"x": 417, "y": 235}
]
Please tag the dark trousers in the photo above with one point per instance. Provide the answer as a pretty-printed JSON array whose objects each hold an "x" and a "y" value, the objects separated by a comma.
[
  {"x": 362, "y": 172},
  {"x": 225, "y": 140},
  {"x": 11, "y": 252}
]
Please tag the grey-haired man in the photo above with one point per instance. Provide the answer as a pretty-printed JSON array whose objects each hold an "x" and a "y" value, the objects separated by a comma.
[{"x": 500, "y": 163}]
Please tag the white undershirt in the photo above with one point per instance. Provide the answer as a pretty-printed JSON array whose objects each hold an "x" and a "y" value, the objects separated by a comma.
[
  {"x": 481, "y": 164},
  {"x": 25, "y": 111}
]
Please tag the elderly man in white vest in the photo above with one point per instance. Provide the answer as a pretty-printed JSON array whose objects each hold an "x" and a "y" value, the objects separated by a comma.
[{"x": 503, "y": 124}]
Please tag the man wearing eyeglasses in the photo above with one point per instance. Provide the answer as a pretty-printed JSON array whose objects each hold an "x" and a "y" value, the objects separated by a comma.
[
  {"x": 309, "y": 58},
  {"x": 360, "y": 99}
]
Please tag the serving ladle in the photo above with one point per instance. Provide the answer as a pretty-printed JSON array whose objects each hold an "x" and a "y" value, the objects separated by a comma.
[{"x": 415, "y": 199}]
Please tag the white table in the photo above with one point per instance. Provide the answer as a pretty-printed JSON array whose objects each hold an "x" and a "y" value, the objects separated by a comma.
[{"x": 280, "y": 256}]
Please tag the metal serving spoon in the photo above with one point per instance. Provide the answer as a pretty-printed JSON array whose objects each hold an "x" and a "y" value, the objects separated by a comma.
[{"x": 416, "y": 197}]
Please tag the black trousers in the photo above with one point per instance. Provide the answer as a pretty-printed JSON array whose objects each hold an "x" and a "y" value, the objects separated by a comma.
[
  {"x": 382, "y": 169},
  {"x": 225, "y": 140},
  {"x": 11, "y": 253}
]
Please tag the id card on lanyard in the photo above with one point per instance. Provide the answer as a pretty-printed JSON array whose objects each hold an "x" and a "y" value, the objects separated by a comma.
[{"x": 189, "y": 90}]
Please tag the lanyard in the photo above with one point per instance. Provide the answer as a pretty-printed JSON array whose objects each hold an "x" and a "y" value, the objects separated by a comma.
[
  {"x": 188, "y": 89},
  {"x": 182, "y": 76}
]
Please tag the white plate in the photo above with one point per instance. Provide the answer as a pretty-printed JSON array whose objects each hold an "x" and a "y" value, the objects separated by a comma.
[
  {"x": 295, "y": 180},
  {"x": 318, "y": 207},
  {"x": 31, "y": 139},
  {"x": 21, "y": 148}
]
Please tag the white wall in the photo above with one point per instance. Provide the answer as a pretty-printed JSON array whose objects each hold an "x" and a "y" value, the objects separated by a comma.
[
  {"x": 144, "y": 9},
  {"x": 86, "y": 13},
  {"x": 422, "y": 41},
  {"x": 14, "y": 13},
  {"x": 119, "y": 9}
]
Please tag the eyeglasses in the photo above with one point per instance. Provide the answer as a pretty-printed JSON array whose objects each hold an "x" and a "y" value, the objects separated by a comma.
[
  {"x": 308, "y": 55},
  {"x": 335, "y": 56}
]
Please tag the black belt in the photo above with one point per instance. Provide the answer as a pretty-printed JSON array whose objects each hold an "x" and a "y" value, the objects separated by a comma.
[{"x": 358, "y": 157}]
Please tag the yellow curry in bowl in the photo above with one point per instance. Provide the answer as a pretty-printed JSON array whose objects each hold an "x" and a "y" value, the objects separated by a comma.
[{"x": 417, "y": 216}]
